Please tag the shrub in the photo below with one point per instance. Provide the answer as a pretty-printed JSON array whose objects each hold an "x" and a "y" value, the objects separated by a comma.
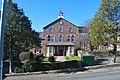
[
  {"x": 26, "y": 57},
  {"x": 38, "y": 57},
  {"x": 51, "y": 59},
  {"x": 27, "y": 67},
  {"x": 18, "y": 70}
]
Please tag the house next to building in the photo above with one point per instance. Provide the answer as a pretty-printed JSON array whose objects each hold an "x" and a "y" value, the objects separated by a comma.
[{"x": 62, "y": 38}]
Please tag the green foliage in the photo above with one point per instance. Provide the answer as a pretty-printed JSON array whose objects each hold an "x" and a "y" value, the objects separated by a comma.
[
  {"x": 38, "y": 57},
  {"x": 26, "y": 57},
  {"x": 51, "y": 59},
  {"x": 19, "y": 35},
  {"x": 102, "y": 27},
  {"x": 27, "y": 67},
  {"x": 18, "y": 70},
  {"x": 45, "y": 59}
]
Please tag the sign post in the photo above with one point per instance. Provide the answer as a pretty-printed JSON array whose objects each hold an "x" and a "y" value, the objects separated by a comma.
[{"x": 2, "y": 29}]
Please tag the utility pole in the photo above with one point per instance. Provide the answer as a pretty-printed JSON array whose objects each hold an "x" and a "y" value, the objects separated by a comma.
[{"x": 2, "y": 29}]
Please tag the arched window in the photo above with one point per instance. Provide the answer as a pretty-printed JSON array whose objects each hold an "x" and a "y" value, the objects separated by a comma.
[
  {"x": 53, "y": 38},
  {"x": 61, "y": 29},
  {"x": 60, "y": 37},
  {"x": 72, "y": 38},
  {"x": 70, "y": 29},
  {"x": 51, "y": 29},
  {"x": 48, "y": 37},
  {"x": 68, "y": 37}
]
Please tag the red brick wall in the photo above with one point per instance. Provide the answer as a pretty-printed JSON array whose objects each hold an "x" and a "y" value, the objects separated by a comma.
[{"x": 65, "y": 33}]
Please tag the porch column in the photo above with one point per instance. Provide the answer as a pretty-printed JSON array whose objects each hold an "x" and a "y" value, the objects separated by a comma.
[
  {"x": 48, "y": 51},
  {"x": 68, "y": 51},
  {"x": 52, "y": 51},
  {"x": 72, "y": 51}
]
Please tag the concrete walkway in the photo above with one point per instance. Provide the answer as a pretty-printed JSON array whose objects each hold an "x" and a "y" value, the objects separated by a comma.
[{"x": 61, "y": 58}]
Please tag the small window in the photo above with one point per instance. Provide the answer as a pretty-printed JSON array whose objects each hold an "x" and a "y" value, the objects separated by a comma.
[
  {"x": 68, "y": 37},
  {"x": 60, "y": 23},
  {"x": 48, "y": 37},
  {"x": 72, "y": 38},
  {"x": 61, "y": 29},
  {"x": 60, "y": 37},
  {"x": 70, "y": 29},
  {"x": 51, "y": 29},
  {"x": 53, "y": 38}
]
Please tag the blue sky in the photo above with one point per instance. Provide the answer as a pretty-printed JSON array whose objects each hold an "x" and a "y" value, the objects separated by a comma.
[{"x": 43, "y": 12}]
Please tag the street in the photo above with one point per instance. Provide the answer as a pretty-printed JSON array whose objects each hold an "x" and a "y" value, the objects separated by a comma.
[{"x": 100, "y": 74}]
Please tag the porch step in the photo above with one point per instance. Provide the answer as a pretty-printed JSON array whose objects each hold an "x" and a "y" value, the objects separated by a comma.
[{"x": 60, "y": 58}]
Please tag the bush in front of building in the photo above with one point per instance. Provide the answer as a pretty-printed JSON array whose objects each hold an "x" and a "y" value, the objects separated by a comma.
[
  {"x": 38, "y": 66},
  {"x": 51, "y": 59},
  {"x": 18, "y": 70},
  {"x": 25, "y": 57},
  {"x": 27, "y": 67},
  {"x": 39, "y": 57}
]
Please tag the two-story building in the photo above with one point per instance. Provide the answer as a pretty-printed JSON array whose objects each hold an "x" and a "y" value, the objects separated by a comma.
[{"x": 61, "y": 38}]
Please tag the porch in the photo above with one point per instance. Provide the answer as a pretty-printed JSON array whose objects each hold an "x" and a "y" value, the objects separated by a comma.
[{"x": 60, "y": 49}]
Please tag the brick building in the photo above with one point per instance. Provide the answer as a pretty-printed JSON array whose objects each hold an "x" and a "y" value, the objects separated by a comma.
[{"x": 61, "y": 37}]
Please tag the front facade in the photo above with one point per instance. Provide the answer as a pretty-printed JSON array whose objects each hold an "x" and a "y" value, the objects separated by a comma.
[{"x": 61, "y": 38}]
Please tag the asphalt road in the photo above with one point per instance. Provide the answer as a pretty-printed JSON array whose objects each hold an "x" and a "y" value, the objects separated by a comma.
[{"x": 101, "y": 74}]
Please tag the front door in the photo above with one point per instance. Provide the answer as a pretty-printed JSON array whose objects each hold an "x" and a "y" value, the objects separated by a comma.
[{"x": 61, "y": 50}]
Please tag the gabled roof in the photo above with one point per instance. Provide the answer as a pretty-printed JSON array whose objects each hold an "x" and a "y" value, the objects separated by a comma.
[
  {"x": 83, "y": 29},
  {"x": 56, "y": 22}
]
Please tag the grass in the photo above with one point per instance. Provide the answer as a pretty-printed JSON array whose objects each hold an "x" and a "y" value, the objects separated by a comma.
[
  {"x": 45, "y": 60},
  {"x": 70, "y": 58}
]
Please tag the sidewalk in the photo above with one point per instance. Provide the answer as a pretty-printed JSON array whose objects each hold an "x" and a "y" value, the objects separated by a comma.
[{"x": 66, "y": 70}]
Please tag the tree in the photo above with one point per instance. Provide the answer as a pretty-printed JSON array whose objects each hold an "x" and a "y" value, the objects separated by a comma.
[
  {"x": 102, "y": 29},
  {"x": 19, "y": 35}
]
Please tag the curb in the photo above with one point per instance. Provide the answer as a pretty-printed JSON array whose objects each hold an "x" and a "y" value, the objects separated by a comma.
[
  {"x": 102, "y": 66},
  {"x": 44, "y": 72},
  {"x": 65, "y": 70}
]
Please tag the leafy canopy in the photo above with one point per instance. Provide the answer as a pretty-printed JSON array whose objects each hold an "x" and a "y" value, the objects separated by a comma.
[{"x": 102, "y": 27}]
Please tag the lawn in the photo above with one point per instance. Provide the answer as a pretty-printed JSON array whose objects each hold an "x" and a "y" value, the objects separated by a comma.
[
  {"x": 45, "y": 60},
  {"x": 70, "y": 58}
]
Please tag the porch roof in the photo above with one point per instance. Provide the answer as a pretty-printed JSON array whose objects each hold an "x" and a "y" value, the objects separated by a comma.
[{"x": 60, "y": 44}]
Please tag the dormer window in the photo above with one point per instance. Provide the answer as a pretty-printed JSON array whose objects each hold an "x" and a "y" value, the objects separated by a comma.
[
  {"x": 70, "y": 29},
  {"x": 61, "y": 29},
  {"x": 51, "y": 29}
]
